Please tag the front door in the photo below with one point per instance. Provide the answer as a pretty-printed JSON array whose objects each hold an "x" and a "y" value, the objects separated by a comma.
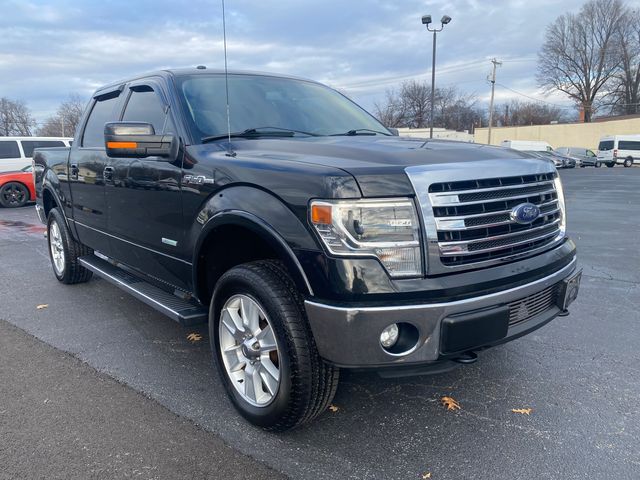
[
  {"x": 143, "y": 197},
  {"x": 87, "y": 162}
]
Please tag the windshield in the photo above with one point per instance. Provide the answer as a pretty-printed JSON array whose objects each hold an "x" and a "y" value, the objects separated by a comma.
[
  {"x": 605, "y": 145},
  {"x": 257, "y": 101}
]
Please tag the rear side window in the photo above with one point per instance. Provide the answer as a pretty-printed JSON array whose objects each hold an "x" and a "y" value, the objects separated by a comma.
[
  {"x": 9, "y": 149},
  {"x": 605, "y": 145},
  {"x": 144, "y": 105},
  {"x": 628, "y": 145},
  {"x": 29, "y": 145},
  {"x": 101, "y": 113}
]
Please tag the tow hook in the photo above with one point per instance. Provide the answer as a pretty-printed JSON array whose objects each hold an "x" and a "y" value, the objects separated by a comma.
[{"x": 466, "y": 358}]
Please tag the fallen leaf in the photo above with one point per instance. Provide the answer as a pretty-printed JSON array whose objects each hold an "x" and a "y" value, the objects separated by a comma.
[
  {"x": 426, "y": 476},
  {"x": 523, "y": 411},
  {"x": 44, "y": 305},
  {"x": 194, "y": 337},
  {"x": 450, "y": 403},
  {"x": 333, "y": 408}
]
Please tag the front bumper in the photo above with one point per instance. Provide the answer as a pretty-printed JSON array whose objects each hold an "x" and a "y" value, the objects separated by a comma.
[{"x": 349, "y": 336}]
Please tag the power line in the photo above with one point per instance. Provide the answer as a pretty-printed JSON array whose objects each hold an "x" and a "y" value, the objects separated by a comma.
[{"x": 533, "y": 98}]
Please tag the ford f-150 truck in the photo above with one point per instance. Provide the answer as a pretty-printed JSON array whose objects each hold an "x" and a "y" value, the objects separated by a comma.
[{"x": 308, "y": 235}]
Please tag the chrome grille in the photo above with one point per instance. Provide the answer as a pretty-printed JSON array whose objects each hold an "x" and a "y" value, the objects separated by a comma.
[
  {"x": 473, "y": 222},
  {"x": 526, "y": 308}
]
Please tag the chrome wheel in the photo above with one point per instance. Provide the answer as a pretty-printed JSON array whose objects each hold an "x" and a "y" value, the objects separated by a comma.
[
  {"x": 57, "y": 248},
  {"x": 249, "y": 350}
]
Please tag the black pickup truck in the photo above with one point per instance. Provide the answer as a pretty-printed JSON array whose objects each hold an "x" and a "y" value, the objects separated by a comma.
[{"x": 307, "y": 234}]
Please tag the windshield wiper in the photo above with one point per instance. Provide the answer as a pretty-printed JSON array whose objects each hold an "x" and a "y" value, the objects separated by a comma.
[
  {"x": 361, "y": 131},
  {"x": 258, "y": 132}
]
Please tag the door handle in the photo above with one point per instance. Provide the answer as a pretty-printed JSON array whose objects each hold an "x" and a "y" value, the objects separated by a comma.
[
  {"x": 108, "y": 173},
  {"x": 74, "y": 171}
]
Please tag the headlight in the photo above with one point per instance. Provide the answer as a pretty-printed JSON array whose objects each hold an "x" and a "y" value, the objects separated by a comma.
[
  {"x": 563, "y": 211},
  {"x": 386, "y": 229}
]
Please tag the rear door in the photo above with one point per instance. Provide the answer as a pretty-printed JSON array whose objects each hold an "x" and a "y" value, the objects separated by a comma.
[
  {"x": 143, "y": 195},
  {"x": 87, "y": 163},
  {"x": 629, "y": 148}
]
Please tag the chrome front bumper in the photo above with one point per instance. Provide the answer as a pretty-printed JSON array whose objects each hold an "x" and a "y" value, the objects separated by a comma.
[{"x": 349, "y": 336}]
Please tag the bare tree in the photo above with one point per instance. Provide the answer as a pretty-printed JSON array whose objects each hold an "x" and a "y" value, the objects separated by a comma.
[
  {"x": 626, "y": 85},
  {"x": 15, "y": 118},
  {"x": 517, "y": 113},
  {"x": 66, "y": 118},
  {"x": 391, "y": 112},
  {"x": 455, "y": 110},
  {"x": 578, "y": 56},
  {"x": 410, "y": 107}
]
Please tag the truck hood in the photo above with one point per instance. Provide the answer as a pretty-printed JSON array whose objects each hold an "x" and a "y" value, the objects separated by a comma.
[{"x": 376, "y": 162}]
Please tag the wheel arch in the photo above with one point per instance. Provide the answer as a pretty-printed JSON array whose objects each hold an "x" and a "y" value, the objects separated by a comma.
[{"x": 216, "y": 250}]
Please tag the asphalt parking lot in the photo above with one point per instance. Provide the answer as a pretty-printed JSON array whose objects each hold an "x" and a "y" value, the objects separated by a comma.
[{"x": 580, "y": 374}]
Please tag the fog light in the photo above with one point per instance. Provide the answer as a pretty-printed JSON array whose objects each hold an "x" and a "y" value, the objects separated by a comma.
[{"x": 389, "y": 336}]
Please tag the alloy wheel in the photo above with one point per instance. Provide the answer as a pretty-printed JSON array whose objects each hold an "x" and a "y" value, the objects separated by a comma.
[
  {"x": 249, "y": 350},
  {"x": 57, "y": 248}
]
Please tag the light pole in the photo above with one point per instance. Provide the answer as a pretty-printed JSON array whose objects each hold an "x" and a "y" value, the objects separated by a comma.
[{"x": 426, "y": 20}]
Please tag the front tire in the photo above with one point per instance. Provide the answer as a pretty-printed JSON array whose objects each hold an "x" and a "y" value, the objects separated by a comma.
[
  {"x": 598, "y": 164},
  {"x": 611, "y": 164},
  {"x": 13, "y": 195},
  {"x": 64, "y": 251},
  {"x": 264, "y": 349},
  {"x": 628, "y": 162}
]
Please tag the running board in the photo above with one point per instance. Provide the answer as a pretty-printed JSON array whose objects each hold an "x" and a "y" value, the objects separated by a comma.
[{"x": 186, "y": 312}]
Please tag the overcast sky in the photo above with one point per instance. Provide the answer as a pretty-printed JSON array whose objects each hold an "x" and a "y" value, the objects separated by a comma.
[{"x": 49, "y": 49}]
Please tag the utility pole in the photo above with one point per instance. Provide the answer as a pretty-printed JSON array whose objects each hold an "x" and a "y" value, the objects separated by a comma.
[{"x": 493, "y": 88}]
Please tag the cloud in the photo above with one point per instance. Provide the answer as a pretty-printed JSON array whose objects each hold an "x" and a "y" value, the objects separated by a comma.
[{"x": 50, "y": 49}]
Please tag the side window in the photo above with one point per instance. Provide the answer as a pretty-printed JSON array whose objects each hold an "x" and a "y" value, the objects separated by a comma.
[
  {"x": 29, "y": 145},
  {"x": 9, "y": 149},
  {"x": 144, "y": 105},
  {"x": 101, "y": 113},
  {"x": 628, "y": 145}
]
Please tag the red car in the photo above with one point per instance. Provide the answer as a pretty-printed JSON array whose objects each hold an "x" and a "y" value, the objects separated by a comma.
[{"x": 16, "y": 188}]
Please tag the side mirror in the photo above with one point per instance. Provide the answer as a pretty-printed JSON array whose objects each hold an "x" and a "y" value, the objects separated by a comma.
[
  {"x": 138, "y": 140},
  {"x": 394, "y": 131}
]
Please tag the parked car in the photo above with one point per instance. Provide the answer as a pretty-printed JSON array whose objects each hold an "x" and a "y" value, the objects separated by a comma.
[
  {"x": 16, "y": 188},
  {"x": 584, "y": 156},
  {"x": 527, "y": 145},
  {"x": 16, "y": 152},
  {"x": 560, "y": 161},
  {"x": 309, "y": 236},
  {"x": 619, "y": 149}
]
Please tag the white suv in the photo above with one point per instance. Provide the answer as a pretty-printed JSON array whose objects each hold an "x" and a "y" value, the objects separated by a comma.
[
  {"x": 621, "y": 149},
  {"x": 16, "y": 152}
]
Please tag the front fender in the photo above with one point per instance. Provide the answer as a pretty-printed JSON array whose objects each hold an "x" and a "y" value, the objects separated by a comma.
[{"x": 265, "y": 215}]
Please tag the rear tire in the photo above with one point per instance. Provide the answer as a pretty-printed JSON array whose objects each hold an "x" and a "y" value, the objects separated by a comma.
[
  {"x": 14, "y": 195},
  {"x": 628, "y": 162},
  {"x": 64, "y": 251},
  {"x": 598, "y": 164},
  {"x": 305, "y": 383}
]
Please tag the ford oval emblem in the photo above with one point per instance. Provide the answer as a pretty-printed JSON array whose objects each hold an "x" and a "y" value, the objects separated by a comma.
[{"x": 525, "y": 213}]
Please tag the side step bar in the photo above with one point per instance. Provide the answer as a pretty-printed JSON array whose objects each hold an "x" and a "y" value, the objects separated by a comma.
[{"x": 187, "y": 312}]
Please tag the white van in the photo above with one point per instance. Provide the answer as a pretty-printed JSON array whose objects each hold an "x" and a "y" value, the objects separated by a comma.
[
  {"x": 527, "y": 145},
  {"x": 621, "y": 149},
  {"x": 16, "y": 152}
]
